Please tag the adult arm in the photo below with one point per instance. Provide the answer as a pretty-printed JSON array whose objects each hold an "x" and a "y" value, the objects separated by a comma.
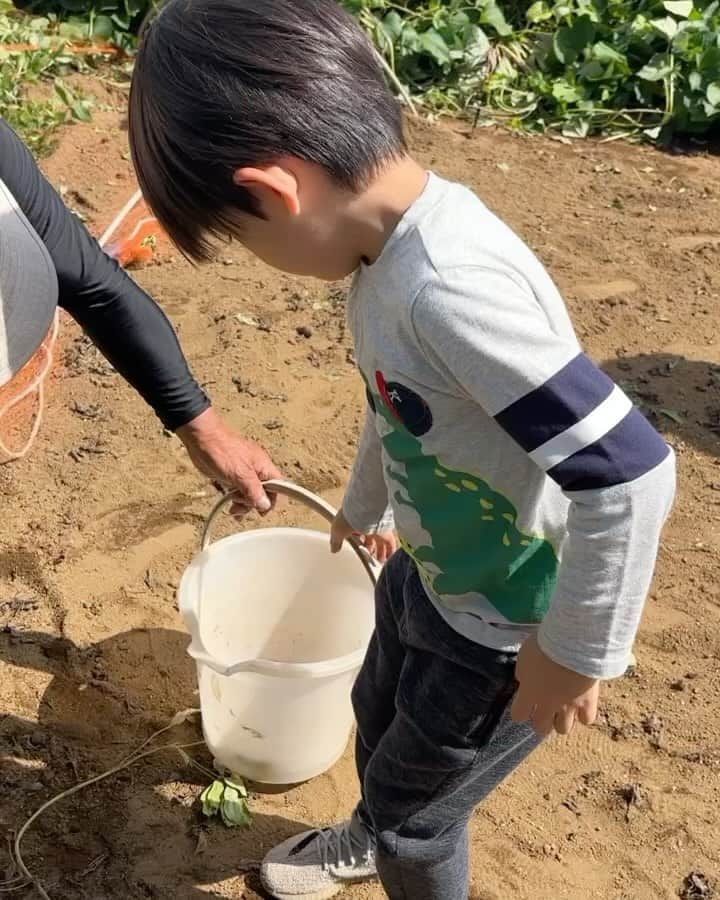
[{"x": 130, "y": 329}]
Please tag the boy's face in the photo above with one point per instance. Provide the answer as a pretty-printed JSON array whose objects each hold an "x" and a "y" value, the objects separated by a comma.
[{"x": 299, "y": 231}]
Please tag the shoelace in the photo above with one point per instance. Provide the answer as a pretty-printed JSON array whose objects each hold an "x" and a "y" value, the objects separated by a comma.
[{"x": 336, "y": 840}]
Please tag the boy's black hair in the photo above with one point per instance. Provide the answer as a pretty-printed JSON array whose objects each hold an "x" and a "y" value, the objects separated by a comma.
[{"x": 220, "y": 84}]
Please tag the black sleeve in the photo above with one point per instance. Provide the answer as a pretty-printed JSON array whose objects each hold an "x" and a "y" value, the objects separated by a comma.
[{"x": 123, "y": 321}]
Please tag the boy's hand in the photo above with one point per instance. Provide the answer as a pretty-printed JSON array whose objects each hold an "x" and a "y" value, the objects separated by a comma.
[
  {"x": 381, "y": 545},
  {"x": 551, "y": 696}
]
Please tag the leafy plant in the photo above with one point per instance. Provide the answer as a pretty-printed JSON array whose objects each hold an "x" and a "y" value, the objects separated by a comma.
[
  {"x": 115, "y": 21},
  {"x": 31, "y": 50},
  {"x": 648, "y": 67},
  {"x": 229, "y": 800}
]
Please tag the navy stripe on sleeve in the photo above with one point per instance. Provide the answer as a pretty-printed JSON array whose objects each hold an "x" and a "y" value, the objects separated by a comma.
[
  {"x": 558, "y": 404},
  {"x": 625, "y": 453}
]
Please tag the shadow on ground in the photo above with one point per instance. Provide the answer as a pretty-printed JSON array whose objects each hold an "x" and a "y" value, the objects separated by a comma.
[
  {"x": 680, "y": 395},
  {"x": 140, "y": 834}
]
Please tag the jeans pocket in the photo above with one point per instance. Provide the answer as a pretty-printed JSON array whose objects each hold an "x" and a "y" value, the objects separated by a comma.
[
  {"x": 486, "y": 728},
  {"x": 452, "y": 704}
]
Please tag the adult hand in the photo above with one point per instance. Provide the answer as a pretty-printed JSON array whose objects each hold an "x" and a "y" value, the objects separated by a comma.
[
  {"x": 232, "y": 462},
  {"x": 551, "y": 696},
  {"x": 381, "y": 545}
]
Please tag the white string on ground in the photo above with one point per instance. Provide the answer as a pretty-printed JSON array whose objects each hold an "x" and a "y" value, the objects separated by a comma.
[{"x": 130, "y": 760}]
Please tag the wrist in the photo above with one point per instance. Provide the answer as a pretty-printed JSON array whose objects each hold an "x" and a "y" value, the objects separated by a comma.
[{"x": 207, "y": 423}]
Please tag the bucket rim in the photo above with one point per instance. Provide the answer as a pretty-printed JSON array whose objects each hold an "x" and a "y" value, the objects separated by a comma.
[
  {"x": 255, "y": 533},
  {"x": 327, "y": 668}
]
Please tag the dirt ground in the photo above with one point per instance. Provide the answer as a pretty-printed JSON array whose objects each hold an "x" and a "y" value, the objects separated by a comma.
[{"x": 102, "y": 518}]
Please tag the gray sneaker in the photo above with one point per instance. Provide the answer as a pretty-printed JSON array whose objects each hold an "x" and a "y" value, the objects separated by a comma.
[{"x": 319, "y": 864}]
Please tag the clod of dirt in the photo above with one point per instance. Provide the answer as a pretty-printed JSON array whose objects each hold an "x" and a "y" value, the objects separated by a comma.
[
  {"x": 19, "y": 604},
  {"x": 39, "y": 739},
  {"x": 304, "y": 331},
  {"x": 678, "y": 685},
  {"x": 652, "y": 725},
  {"x": 696, "y": 887},
  {"x": 552, "y": 851},
  {"x": 202, "y": 842},
  {"x": 89, "y": 411},
  {"x": 632, "y": 796}
]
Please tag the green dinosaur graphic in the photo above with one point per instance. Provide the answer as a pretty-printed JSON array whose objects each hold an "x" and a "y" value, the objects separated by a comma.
[{"x": 476, "y": 545}]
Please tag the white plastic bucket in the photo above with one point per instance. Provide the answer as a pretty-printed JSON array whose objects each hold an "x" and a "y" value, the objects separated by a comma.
[{"x": 279, "y": 630}]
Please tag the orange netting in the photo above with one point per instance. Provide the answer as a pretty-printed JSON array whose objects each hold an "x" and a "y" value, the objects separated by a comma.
[
  {"x": 22, "y": 398},
  {"x": 133, "y": 238}
]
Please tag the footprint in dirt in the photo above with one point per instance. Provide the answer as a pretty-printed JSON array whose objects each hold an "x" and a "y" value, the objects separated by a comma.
[
  {"x": 694, "y": 242},
  {"x": 138, "y": 835}
]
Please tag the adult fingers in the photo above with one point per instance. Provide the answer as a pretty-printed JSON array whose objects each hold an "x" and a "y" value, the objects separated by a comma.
[
  {"x": 587, "y": 713},
  {"x": 564, "y": 720}
]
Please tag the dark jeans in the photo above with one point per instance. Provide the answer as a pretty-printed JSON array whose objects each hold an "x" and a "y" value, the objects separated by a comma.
[{"x": 434, "y": 738}]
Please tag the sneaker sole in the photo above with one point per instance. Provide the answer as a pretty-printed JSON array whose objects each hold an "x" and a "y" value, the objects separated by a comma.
[
  {"x": 317, "y": 895},
  {"x": 325, "y": 894}
]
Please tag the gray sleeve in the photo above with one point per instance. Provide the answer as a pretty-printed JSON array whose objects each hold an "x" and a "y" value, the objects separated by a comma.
[
  {"x": 605, "y": 574},
  {"x": 366, "y": 500}
]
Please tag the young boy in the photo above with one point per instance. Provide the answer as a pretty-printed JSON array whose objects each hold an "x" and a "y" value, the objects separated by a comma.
[{"x": 527, "y": 492}]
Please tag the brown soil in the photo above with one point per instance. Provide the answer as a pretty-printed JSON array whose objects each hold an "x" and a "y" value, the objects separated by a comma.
[{"x": 102, "y": 519}]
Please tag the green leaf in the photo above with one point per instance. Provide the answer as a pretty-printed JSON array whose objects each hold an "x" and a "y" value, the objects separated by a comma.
[
  {"x": 565, "y": 92},
  {"x": 659, "y": 67},
  {"x": 673, "y": 415},
  {"x": 238, "y": 786},
  {"x": 410, "y": 40},
  {"x": 570, "y": 41},
  {"x": 667, "y": 27},
  {"x": 680, "y": 8},
  {"x": 592, "y": 70},
  {"x": 433, "y": 43},
  {"x": 538, "y": 12},
  {"x": 393, "y": 24},
  {"x": 477, "y": 46},
  {"x": 607, "y": 55},
  {"x": 63, "y": 92},
  {"x": 695, "y": 80},
  {"x": 81, "y": 111},
  {"x": 458, "y": 21},
  {"x": 211, "y": 798},
  {"x": 234, "y": 809},
  {"x": 713, "y": 94},
  {"x": 493, "y": 16},
  {"x": 710, "y": 61},
  {"x": 103, "y": 28}
]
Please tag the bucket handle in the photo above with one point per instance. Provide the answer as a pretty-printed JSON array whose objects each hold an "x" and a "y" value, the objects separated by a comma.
[{"x": 311, "y": 500}]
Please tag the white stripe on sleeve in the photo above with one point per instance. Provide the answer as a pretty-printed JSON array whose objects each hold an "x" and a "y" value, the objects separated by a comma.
[{"x": 588, "y": 430}]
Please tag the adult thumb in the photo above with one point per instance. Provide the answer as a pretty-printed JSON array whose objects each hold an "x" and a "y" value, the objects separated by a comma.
[{"x": 255, "y": 493}]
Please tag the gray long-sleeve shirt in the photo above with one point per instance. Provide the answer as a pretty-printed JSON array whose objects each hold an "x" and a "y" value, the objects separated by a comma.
[{"x": 527, "y": 488}]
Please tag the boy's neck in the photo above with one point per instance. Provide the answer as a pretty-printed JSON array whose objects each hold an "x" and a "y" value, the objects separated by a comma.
[{"x": 371, "y": 217}]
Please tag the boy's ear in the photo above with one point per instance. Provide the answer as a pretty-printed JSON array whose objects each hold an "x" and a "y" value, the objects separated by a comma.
[{"x": 281, "y": 182}]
